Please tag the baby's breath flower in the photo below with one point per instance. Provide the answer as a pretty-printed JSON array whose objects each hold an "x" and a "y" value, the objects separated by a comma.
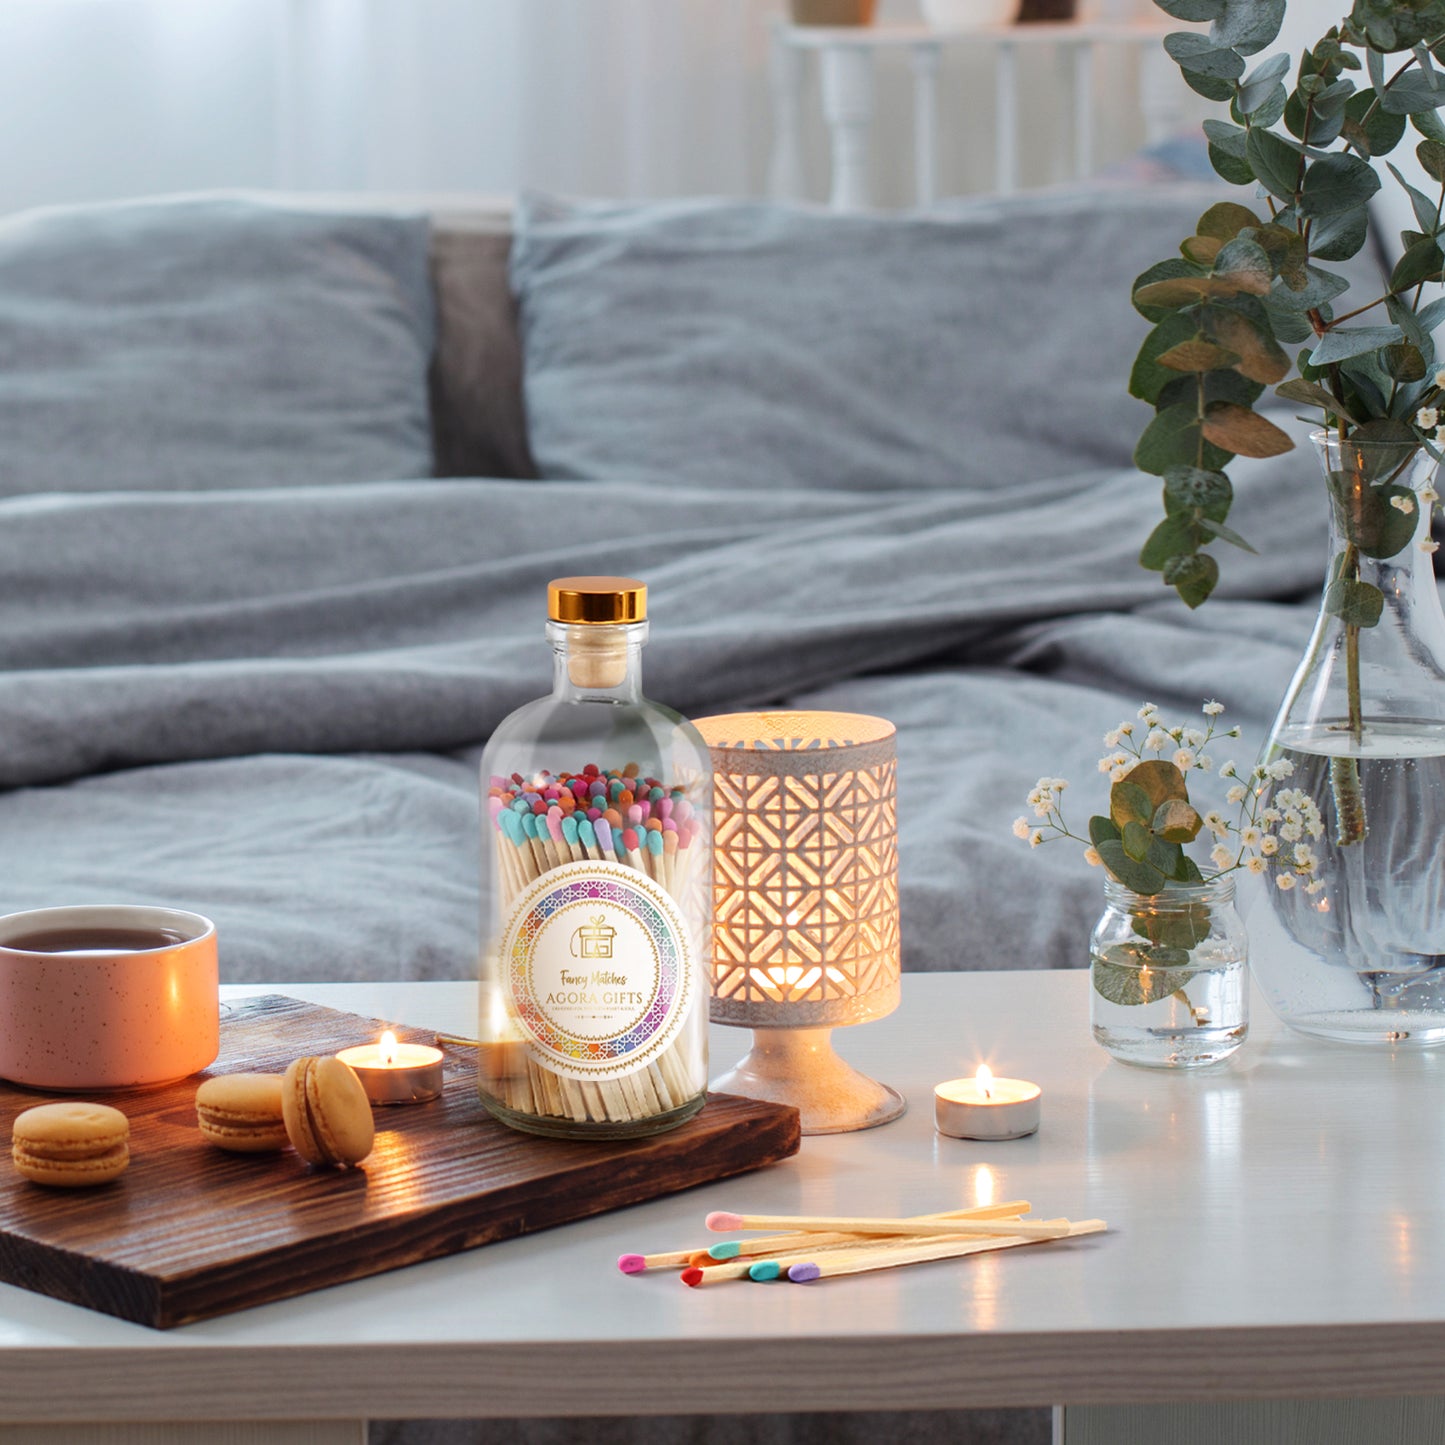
[
  {"x": 1193, "y": 737},
  {"x": 1221, "y": 856},
  {"x": 1212, "y": 708},
  {"x": 1118, "y": 775},
  {"x": 1147, "y": 711},
  {"x": 1183, "y": 760},
  {"x": 1269, "y": 816},
  {"x": 1439, "y": 378},
  {"x": 1237, "y": 794},
  {"x": 1284, "y": 882},
  {"x": 1440, "y": 434},
  {"x": 1429, "y": 544},
  {"x": 1058, "y": 784},
  {"x": 1428, "y": 496},
  {"x": 1035, "y": 838},
  {"x": 1250, "y": 836},
  {"x": 1227, "y": 770},
  {"x": 1091, "y": 857},
  {"x": 1315, "y": 887},
  {"x": 1232, "y": 733},
  {"x": 1203, "y": 762},
  {"x": 1021, "y": 828},
  {"x": 1111, "y": 739},
  {"x": 1290, "y": 832},
  {"x": 1269, "y": 845},
  {"x": 1427, "y": 418},
  {"x": 1157, "y": 740},
  {"x": 1255, "y": 865},
  {"x": 1280, "y": 768},
  {"x": 1304, "y": 856},
  {"x": 1403, "y": 504},
  {"x": 1216, "y": 824},
  {"x": 1126, "y": 729}
]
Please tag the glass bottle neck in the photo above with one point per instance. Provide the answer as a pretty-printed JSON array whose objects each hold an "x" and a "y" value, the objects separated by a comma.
[{"x": 597, "y": 662}]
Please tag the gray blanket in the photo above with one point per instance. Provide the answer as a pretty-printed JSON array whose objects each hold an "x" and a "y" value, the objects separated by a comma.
[{"x": 267, "y": 704}]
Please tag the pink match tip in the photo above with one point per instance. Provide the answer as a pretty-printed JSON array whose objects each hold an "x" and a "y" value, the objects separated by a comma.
[
  {"x": 721, "y": 1222},
  {"x": 631, "y": 1263}
]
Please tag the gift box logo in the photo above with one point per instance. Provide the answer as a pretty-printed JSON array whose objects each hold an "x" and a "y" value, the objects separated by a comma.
[{"x": 594, "y": 940}]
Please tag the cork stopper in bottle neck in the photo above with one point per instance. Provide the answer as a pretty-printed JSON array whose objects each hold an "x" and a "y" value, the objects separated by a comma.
[{"x": 596, "y": 618}]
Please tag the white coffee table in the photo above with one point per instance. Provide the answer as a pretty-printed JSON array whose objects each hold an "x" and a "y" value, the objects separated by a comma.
[{"x": 1277, "y": 1233}]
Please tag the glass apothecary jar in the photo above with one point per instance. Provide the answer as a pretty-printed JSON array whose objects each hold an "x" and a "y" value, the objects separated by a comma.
[
  {"x": 1169, "y": 977},
  {"x": 596, "y": 889}
]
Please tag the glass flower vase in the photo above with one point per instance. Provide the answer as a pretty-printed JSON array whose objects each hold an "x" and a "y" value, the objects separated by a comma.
[
  {"x": 1169, "y": 987},
  {"x": 1358, "y": 953}
]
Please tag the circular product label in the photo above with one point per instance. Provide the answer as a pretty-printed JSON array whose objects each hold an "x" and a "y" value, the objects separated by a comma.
[{"x": 599, "y": 964}]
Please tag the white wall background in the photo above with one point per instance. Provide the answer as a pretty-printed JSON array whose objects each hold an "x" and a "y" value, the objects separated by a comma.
[{"x": 106, "y": 98}]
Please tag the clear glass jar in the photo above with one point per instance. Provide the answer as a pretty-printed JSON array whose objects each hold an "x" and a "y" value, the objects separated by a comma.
[
  {"x": 1359, "y": 956},
  {"x": 596, "y": 886},
  {"x": 1170, "y": 987}
]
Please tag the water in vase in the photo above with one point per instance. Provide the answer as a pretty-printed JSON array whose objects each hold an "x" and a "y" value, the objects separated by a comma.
[{"x": 1378, "y": 924}]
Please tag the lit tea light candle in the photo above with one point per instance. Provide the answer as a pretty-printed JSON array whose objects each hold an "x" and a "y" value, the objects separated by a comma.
[
  {"x": 396, "y": 1073},
  {"x": 984, "y": 1107}
]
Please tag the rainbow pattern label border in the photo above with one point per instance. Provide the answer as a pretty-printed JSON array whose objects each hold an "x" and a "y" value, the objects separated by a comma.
[{"x": 625, "y": 888}]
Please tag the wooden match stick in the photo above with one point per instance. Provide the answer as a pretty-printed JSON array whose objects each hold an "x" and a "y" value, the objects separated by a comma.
[
  {"x": 896, "y": 1253},
  {"x": 737, "y": 1248},
  {"x": 671, "y": 1259},
  {"x": 722, "y": 1222}
]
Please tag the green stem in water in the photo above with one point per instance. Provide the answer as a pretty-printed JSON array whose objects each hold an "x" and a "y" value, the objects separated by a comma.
[{"x": 1351, "y": 825}]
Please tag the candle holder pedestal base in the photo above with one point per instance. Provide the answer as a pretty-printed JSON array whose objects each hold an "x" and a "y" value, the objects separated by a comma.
[{"x": 799, "y": 1067}]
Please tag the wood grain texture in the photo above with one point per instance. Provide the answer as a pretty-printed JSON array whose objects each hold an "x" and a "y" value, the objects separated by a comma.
[
  {"x": 306, "y": 1432},
  {"x": 1264, "y": 1422},
  {"x": 189, "y": 1232}
]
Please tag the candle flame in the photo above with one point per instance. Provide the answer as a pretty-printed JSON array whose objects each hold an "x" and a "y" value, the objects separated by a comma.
[
  {"x": 387, "y": 1047},
  {"x": 983, "y": 1079}
]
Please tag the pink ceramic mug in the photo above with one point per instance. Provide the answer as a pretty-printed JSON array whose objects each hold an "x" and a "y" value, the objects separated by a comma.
[{"x": 108, "y": 996}]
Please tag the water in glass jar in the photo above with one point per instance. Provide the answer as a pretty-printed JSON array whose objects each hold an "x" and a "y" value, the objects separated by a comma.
[
  {"x": 1363, "y": 958},
  {"x": 1195, "y": 1013}
]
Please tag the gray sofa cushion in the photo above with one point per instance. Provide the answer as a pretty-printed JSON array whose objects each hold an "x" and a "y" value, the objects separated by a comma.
[
  {"x": 211, "y": 343},
  {"x": 745, "y": 345}
]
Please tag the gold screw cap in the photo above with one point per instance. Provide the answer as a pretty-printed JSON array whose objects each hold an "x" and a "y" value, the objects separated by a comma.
[{"x": 597, "y": 599}]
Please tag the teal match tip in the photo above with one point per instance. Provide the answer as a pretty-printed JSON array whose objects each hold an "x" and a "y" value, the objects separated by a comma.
[
  {"x": 765, "y": 1269},
  {"x": 730, "y": 1250}
]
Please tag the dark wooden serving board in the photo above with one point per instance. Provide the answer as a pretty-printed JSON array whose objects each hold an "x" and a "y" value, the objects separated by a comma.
[{"x": 188, "y": 1232}]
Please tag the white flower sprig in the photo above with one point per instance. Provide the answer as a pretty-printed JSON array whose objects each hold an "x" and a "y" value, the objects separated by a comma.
[{"x": 1256, "y": 840}]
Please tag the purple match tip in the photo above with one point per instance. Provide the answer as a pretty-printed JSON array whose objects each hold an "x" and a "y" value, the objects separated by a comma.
[
  {"x": 802, "y": 1273},
  {"x": 631, "y": 1263}
]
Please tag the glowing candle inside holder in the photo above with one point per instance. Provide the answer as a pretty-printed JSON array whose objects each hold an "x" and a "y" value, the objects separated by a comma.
[
  {"x": 984, "y": 1107},
  {"x": 396, "y": 1073}
]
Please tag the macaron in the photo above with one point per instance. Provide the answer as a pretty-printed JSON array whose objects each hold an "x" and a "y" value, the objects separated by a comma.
[
  {"x": 71, "y": 1145},
  {"x": 327, "y": 1114},
  {"x": 242, "y": 1113}
]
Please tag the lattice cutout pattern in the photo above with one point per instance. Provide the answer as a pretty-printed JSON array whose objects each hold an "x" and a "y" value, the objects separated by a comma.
[{"x": 805, "y": 869}]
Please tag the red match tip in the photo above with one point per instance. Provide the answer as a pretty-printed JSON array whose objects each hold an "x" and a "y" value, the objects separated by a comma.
[
  {"x": 590, "y": 771},
  {"x": 692, "y": 1276},
  {"x": 631, "y": 1263},
  {"x": 629, "y": 839}
]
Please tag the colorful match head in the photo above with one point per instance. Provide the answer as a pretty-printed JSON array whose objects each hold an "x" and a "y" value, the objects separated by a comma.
[{"x": 631, "y": 1263}]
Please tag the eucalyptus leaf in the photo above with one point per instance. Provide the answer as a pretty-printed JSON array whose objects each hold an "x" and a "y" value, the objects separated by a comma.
[
  {"x": 1337, "y": 238},
  {"x": 1176, "y": 535},
  {"x": 1197, "y": 54},
  {"x": 1136, "y": 839},
  {"x": 1404, "y": 362},
  {"x": 1168, "y": 270},
  {"x": 1412, "y": 92},
  {"x": 1320, "y": 288},
  {"x": 1337, "y": 184},
  {"x": 1358, "y": 604},
  {"x": 1260, "y": 83},
  {"x": 1192, "y": 489},
  {"x": 1137, "y": 877},
  {"x": 1192, "y": 10},
  {"x": 1431, "y": 155},
  {"x": 1244, "y": 432},
  {"x": 1275, "y": 163},
  {"x": 1227, "y": 534},
  {"x": 1260, "y": 357},
  {"x": 1197, "y": 355},
  {"x": 1101, "y": 830},
  {"x": 1176, "y": 821},
  {"x": 1312, "y": 394},
  {"x": 1423, "y": 261},
  {"x": 1193, "y": 578},
  {"x": 1148, "y": 377},
  {"x": 1226, "y": 220},
  {"x": 1130, "y": 985},
  {"x": 1247, "y": 26},
  {"x": 1244, "y": 264},
  {"x": 1200, "y": 249},
  {"x": 1217, "y": 386},
  {"x": 1427, "y": 213},
  {"x": 1431, "y": 315},
  {"x": 1171, "y": 440},
  {"x": 1346, "y": 341}
]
